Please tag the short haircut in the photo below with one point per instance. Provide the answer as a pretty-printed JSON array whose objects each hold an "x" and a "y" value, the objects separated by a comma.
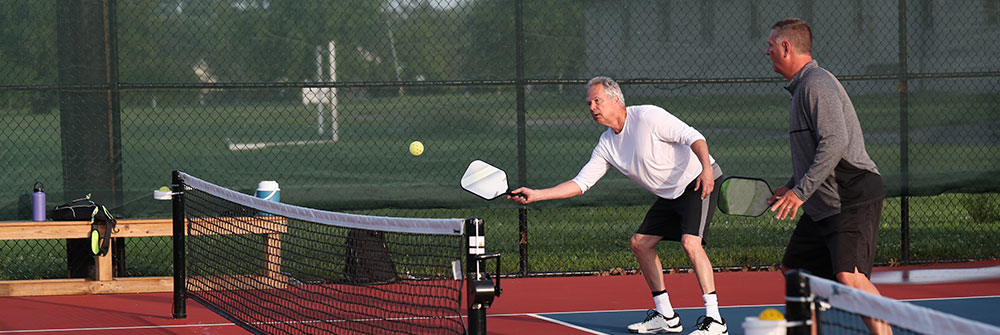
[
  {"x": 610, "y": 87},
  {"x": 796, "y": 32}
]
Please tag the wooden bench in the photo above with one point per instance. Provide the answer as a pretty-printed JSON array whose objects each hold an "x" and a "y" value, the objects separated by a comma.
[{"x": 103, "y": 281}]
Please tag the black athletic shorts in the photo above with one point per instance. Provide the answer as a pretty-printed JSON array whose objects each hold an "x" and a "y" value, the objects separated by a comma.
[
  {"x": 688, "y": 214},
  {"x": 838, "y": 243}
]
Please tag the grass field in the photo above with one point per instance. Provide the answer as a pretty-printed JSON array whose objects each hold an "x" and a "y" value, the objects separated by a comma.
[{"x": 369, "y": 170}]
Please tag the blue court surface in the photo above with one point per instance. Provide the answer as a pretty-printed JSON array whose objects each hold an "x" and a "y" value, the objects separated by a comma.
[{"x": 983, "y": 309}]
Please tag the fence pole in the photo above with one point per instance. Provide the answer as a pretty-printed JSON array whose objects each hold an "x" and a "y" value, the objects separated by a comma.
[
  {"x": 904, "y": 141},
  {"x": 522, "y": 166},
  {"x": 89, "y": 119},
  {"x": 118, "y": 253}
]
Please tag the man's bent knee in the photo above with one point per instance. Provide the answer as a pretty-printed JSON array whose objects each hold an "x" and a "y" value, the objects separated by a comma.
[
  {"x": 640, "y": 242},
  {"x": 691, "y": 243}
]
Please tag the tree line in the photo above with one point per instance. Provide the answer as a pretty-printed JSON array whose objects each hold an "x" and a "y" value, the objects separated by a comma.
[{"x": 262, "y": 41}]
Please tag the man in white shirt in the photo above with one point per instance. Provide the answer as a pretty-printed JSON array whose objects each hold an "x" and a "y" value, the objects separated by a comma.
[{"x": 669, "y": 159}]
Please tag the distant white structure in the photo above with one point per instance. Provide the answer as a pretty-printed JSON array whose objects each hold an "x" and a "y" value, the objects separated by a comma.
[
  {"x": 204, "y": 74},
  {"x": 321, "y": 96}
]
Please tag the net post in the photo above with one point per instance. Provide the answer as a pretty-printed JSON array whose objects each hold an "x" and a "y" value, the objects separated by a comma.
[
  {"x": 798, "y": 303},
  {"x": 475, "y": 238},
  {"x": 180, "y": 275}
]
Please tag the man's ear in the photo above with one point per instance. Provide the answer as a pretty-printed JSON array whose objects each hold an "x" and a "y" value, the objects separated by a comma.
[{"x": 786, "y": 48}]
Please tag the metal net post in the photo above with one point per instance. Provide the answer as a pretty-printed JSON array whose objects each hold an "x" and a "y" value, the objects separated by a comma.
[
  {"x": 180, "y": 276},
  {"x": 480, "y": 288},
  {"x": 798, "y": 304}
]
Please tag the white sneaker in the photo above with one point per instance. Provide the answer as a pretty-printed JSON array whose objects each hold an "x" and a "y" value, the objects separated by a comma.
[
  {"x": 709, "y": 326},
  {"x": 657, "y": 323}
]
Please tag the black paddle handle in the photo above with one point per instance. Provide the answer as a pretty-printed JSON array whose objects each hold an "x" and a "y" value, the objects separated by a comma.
[{"x": 515, "y": 195}]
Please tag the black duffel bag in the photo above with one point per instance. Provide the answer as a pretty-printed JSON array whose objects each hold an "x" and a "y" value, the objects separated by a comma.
[{"x": 85, "y": 209}]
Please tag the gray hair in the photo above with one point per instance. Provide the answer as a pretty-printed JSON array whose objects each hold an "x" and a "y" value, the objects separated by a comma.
[
  {"x": 610, "y": 87},
  {"x": 797, "y": 32}
]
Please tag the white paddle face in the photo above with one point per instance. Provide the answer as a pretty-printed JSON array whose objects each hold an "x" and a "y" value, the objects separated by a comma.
[
  {"x": 744, "y": 196},
  {"x": 484, "y": 180}
]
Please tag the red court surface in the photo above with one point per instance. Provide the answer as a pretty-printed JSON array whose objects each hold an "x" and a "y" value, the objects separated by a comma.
[{"x": 511, "y": 313}]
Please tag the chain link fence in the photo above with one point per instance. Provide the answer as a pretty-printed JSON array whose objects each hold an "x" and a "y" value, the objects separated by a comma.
[{"x": 107, "y": 97}]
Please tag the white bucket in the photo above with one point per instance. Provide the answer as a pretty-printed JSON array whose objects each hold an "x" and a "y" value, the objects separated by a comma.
[
  {"x": 754, "y": 326},
  {"x": 268, "y": 190}
]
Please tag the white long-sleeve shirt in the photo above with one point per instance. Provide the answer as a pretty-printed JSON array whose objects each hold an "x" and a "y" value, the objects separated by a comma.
[{"x": 653, "y": 149}]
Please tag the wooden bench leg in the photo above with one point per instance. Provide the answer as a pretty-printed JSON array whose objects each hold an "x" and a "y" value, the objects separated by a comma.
[
  {"x": 272, "y": 255},
  {"x": 104, "y": 267}
]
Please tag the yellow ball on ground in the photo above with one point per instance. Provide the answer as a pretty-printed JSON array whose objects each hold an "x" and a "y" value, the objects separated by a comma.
[
  {"x": 164, "y": 189},
  {"x": 416, "y": 148},
  {"x": 771, "y": 314}
]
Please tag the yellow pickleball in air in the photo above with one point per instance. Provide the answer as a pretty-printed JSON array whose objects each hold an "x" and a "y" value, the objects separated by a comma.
[
  {"x": 416, "y": 148},
  {"x": 771, "y": 314}
]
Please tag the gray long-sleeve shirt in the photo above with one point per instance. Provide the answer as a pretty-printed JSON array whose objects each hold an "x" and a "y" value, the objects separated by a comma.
[{"x": 823, "y": 130}]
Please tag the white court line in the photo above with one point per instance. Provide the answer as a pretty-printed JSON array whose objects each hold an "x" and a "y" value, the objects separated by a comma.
[
  {"x": 56, "y": 330},
  {"x": 781, "y": 304},
  {"x": 633, "y": 310},
  {"x": 567, "y": 324}
]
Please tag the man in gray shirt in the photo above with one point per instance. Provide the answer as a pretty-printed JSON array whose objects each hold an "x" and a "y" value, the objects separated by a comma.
[{"x": 834, "y": 181}]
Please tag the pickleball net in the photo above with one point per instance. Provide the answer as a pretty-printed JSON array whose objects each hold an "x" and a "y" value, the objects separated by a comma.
[
  {"x": 275, "y": 268},
  {"x": 841, "y": 309}
]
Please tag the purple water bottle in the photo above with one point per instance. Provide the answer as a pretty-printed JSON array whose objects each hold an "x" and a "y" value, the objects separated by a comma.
[{"x": 38, "y": 203}]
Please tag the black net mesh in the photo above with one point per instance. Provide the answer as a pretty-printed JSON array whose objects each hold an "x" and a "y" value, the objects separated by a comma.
[{"x": 275, "y": 275}]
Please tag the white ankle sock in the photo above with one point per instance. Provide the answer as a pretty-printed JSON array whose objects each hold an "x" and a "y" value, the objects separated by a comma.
[
  {"x": 662, "y": 302},
  {"x": 712, "y": 306}
]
